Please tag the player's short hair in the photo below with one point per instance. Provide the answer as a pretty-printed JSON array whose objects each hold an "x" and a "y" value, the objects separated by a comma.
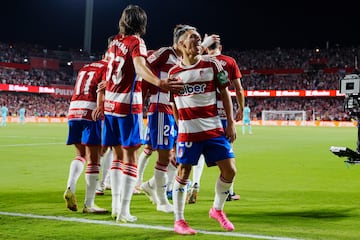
[
  {"x": 215, "y": 45},
  {"x": 179, "y": 30},
  {"x": 109, "y": 40},
  {"x": 133, "y": 20}
]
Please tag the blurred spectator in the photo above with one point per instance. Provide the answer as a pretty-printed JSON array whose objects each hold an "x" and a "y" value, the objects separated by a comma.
[
  {"x": 42, "y": 105},
  {"x": 311, "y": 61}
]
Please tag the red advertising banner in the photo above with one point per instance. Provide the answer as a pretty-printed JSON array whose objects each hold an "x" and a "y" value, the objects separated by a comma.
[
  {"x": 67, "y": 91},
  {"x": 15, "y": 65},
  {"x": 292, "y": 71},
  {"x": 293, "y": 93},
  {"x": 58, "y": 91},
  {"x": 63, "y": 91}
]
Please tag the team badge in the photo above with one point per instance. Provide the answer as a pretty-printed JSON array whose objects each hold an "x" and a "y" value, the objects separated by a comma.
[{"x": 223, "y": 77}]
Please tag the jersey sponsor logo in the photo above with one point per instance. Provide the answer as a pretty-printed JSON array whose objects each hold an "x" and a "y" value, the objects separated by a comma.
[
  {"x": 97, "y": 65},
  {"x": 77, "y": 112},
  {"x": 193, "y": 89},
  {"x": 109, "y": 106}
]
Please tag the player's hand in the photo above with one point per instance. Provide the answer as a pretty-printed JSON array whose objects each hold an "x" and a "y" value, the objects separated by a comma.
[
  {"x": 230, "y": 132},
  {"x": 101, "y": 86},
  {"x": 239, "y": 115},
  {"x": 97, "y": 113},
  {"x": 171, "y": 84},
  {"x": 209, "y": 40}
]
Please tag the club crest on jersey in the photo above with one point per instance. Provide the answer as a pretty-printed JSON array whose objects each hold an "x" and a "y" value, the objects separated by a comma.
[
  {"x": 193, "y": 89},
  {"x": 223, "y": 77}
]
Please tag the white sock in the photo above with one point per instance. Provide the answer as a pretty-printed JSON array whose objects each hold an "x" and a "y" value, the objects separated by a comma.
[
  {"x": 128, "y": 181},
  {"x": 76, "y": 168},
  {"x": 115, "y": 180},
  {"x": 142, "y": 163},
  {"x": 198, "y": 169},
  {"x": 179, "y": 197},
  {"x": 221, "y": 193},
  {"x": 160, "y": 177},
  {"x": 106, "y": 164},
  {"x": 172, "y": 171},
  {"x": 91, "y": 178}
]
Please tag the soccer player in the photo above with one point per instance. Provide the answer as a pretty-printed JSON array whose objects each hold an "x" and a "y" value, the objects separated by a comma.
[
  {"x": 4, "y": 113},
  {"x": 85, "y": 135},
  {"x": 199, "y": 126},
  {"x": 246, "y": 120},
  {"x": 230, "y": 66},
  {"x": 22, "y": 111},
  {"x": 127, "y": 67},
  {"x": 106, "y": 152},
  {"x": 161, "y": 130}
]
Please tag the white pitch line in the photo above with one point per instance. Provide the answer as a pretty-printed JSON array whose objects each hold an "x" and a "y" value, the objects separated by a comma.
[
  {"x": 28, "y": 137},
  {"x": 31, "y": 144},
  {"x": 143, "y": 226}
]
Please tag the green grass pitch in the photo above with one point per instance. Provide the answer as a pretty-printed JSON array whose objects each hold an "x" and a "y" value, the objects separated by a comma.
[{"x": 291, "y": 187}]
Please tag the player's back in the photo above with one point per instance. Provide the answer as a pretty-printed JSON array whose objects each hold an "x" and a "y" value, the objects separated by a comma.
[
  {"x": 89, "y": 76},
  {"x": 84, "y": 97},
  {"x": 123, "y": 89}
]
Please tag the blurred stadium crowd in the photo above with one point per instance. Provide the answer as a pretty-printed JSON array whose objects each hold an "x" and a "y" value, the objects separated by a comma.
[{"x": 278, "y": 69}]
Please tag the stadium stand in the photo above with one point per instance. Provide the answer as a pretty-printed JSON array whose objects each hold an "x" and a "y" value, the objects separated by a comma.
[{"x": 278, "y": 69}]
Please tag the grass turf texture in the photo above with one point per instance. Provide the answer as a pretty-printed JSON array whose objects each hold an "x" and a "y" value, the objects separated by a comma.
[{"x": 290, "y": 184}]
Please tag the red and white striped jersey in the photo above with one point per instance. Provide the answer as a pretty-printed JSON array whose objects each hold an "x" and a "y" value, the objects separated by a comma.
[
  {"x": 196, "y": 104},
  {"x": 160, "y": 61},
  {"x": 123, "y": 93},
  {"x": 230, "y": 66},
  {"x": 83, "y": 100}
]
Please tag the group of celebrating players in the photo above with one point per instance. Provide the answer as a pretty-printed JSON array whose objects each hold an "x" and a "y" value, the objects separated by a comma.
[{"x": 190, "y": 117}]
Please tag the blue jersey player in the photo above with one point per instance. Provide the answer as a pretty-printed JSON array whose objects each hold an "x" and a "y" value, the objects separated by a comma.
[
  {"x": 246, "y": 119},
  {"x": 4, "y": 113}
]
